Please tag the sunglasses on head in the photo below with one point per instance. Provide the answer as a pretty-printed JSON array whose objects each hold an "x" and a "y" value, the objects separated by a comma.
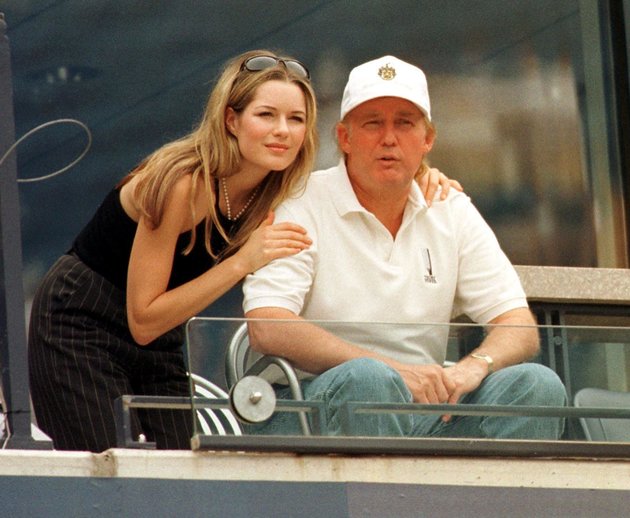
[{"x": 258, "y": 63}]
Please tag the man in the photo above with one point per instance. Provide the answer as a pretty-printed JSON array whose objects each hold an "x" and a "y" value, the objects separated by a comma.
[{"x": 379, "y": 255}]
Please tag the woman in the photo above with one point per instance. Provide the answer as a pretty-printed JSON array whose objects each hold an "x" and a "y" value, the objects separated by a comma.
[{"x": 183, "y": 228}]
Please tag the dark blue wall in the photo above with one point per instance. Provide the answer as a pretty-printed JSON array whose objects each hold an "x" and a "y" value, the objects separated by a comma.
[{"x": 132, "y": 497}]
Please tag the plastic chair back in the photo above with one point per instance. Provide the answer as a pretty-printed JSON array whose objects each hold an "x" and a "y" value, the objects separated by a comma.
[{"x": 599, "y": 429}]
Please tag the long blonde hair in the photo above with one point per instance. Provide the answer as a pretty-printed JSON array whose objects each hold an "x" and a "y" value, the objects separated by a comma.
[{"x": 210, "y": 151}]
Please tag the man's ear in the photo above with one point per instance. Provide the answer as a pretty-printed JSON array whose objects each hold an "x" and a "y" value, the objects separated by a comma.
[
  {"x": 231, "y": 119},
  {"x": 428, "y": 143},
  {"x": 343, "y": 137}
]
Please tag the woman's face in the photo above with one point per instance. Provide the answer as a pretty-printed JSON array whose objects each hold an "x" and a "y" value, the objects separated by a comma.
[{"x": 271, "y": 129}]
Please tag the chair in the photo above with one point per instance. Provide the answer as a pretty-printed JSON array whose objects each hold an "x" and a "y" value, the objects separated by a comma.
[
  {"x": 214, "y": 422},
  {"x": 219, "y": 421},
  {"x": 603, "y": 429},
  {"x": 241, "y": 361}
]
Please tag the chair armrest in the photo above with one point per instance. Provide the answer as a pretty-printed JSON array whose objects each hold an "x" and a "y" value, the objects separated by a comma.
[{"x": 287, "y": 369}]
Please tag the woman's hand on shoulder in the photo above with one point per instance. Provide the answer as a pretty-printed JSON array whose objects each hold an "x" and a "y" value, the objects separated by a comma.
[
  {"x": 271, "y": 241},
  {"x": 434, "y": 178}
]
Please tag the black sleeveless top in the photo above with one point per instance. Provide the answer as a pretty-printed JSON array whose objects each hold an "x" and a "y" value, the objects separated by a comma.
[{"x": 105, "y": 243}]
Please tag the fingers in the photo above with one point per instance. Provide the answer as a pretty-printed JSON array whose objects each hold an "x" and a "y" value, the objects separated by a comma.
[
  {"x": 286, "y": 236},
  {"x": 284, "y": 239},
  {"x": 452, "y": 400},
  {"x": 272, "y": 241},
  {"x": 441, "y": 391},
  {"x": 431, "y": 397},
  {"x": 283, "y": 235},
  {"x": 287, "y": 225},
  {"x": 282, "y": 247},
  {"x": 430, "y": 385},
  {"x": 433, "y": 180},
  {"x": 456, "y": 185},
  {"x": 447, "y": 184}
]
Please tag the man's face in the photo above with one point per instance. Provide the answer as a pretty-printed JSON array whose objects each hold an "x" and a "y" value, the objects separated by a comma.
[{"x": 384, "y": 140}]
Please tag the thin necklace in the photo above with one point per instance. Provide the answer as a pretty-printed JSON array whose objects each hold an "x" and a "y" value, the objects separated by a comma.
[{"x": 227, "y": 201}]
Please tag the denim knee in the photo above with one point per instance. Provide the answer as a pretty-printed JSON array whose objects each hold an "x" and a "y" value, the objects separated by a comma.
[
  {"x": 365, "y": 368},
  {"x": 363, "y": 379},
  {"x": 374, "y": 380},
  {"x": 541, "y": 385},
  {"x": 526, "y": 384}
]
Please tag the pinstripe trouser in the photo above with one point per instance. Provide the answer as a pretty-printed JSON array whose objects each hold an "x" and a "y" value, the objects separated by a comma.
[{"x": 82, "y": 357}]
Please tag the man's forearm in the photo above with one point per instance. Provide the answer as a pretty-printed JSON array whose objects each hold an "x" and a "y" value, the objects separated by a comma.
[
  {"x": 307, "y": 346},
  {"x": 513, "y": 339},
  {"x": 315, "y": 350}
]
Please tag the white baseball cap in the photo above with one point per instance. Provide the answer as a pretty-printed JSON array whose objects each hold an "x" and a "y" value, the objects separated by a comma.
[{"x": 386, "y": 77}]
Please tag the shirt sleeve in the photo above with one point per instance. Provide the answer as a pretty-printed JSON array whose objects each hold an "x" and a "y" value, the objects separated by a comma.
[
  {"x": 487, "y": 284},
  {"x": 285, "y": 282}
]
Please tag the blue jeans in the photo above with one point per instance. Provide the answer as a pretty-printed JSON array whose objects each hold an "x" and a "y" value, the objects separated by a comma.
[{"x": 371, "y": 380}]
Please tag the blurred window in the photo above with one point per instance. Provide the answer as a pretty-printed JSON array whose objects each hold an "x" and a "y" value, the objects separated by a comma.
[{"x": 521, "y": 95}]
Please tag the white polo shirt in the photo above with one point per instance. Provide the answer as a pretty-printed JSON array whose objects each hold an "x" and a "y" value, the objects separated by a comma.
[{"x": 444, "y": 261}]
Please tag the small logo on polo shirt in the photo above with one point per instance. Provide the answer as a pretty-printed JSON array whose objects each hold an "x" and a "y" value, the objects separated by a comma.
[{"x": 428, "y": 267}]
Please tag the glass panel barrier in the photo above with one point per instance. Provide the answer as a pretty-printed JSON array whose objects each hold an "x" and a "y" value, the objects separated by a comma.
[{"x": 259, "y": 405}]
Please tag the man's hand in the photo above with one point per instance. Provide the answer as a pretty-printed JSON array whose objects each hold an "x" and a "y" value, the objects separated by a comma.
[
  {"x": 465, "y": 377},
  {"x": 512, "y": 339},
  {"x": 428, "y": 384},
  {"x": 434, "y": 384}
]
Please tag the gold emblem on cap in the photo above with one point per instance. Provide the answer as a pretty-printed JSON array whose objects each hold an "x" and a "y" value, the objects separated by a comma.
[{"x": 387, "y": 72}]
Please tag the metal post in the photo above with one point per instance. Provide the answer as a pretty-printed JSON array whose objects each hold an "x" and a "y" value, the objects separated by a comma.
[{"x": 13, "y": 359}]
